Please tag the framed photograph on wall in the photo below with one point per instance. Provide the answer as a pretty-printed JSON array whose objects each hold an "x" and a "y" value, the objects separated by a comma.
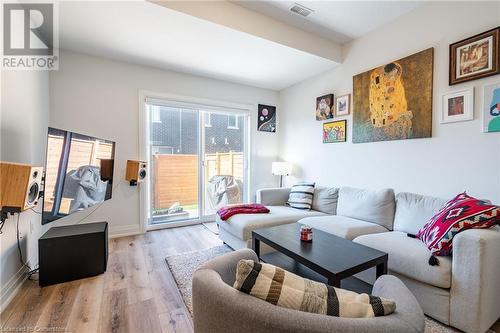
[
  {"x": 343, "y": 105},
  {"x": 458, "y": 106},
  {"x": 324, "y": 107},
  {"x": 334, "y": 131},
  {"x": 491, "y": 108},
  {"x": 475, "y": 57}
]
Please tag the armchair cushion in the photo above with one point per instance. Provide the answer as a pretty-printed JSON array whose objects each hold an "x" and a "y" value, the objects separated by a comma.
[{"x": 279, "y": 287}]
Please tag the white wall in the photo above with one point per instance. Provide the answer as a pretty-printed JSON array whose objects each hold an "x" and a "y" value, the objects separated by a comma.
[
  {"x": 100, "y": 97},
  {"x": 458, "y": 157},
  {"x": 24, "y": 120}
]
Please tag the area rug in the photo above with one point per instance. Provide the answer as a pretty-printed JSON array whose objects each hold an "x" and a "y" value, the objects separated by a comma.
[{"x": 183, "y": 266}]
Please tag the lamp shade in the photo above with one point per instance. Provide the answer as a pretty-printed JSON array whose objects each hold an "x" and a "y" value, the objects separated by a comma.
[{"x": 281, "y": 168}]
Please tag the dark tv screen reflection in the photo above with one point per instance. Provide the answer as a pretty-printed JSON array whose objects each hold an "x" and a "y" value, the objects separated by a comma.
[{"x": 78, "y": 173}]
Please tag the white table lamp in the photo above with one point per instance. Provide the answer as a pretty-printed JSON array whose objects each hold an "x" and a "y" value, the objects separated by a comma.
[{"x": 281, "y": 169}]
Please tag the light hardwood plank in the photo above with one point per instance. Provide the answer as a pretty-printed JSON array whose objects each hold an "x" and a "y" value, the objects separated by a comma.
[
  {"x": 58, "y": 309},
  {"x": 143, "y": 317},
  {"x": 114, "y": 312},
  {"x": 87, "y": 304}
]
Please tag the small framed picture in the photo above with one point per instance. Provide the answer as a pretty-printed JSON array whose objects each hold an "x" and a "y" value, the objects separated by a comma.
[
  {"x": 334, "y": 131},
  {"x": 324, "y": 107},
  {"x": 266, "y": 121},
  {"x": 343, "y": 105},
  {"x": 458, "y": 106},
  {"x": 475, "y": 57}
]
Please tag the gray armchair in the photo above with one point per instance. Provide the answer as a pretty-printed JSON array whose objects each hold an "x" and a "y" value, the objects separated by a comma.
[{"x": 218, "y": 307}]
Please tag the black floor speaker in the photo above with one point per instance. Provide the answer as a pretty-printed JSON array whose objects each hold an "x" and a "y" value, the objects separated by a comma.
[{"x": 72, "y": 252}]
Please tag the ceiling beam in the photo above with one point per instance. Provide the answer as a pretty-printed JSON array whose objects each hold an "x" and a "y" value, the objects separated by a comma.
[{"x": 236, "y": 17}]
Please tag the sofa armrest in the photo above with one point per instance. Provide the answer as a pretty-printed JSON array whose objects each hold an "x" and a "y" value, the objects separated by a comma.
[
  {"x": 407, "y": 307},
  {"x": 475, "y": 295},
  {"x": 273, "y": 196},
  {"x": 225, "y": 265}
]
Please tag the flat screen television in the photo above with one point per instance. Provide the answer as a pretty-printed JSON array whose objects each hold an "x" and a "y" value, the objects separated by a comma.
[{"x": 78, "y": 173}]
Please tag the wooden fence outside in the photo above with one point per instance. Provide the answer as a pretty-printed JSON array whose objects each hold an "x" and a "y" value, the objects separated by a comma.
[{"x": 176, "y": 176}]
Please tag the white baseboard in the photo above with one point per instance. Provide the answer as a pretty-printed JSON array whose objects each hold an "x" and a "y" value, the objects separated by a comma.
[
  {"x": 11, "y": 288},
  {"x": 126, "y": 230}
]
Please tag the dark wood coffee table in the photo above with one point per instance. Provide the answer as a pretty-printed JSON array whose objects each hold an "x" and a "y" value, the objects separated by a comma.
[{"x": 326, "y": 257}]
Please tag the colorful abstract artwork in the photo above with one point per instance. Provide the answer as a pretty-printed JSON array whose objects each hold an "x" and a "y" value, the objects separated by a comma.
[
  {"x": 266, "y": 121},
  {"x": 394, "y": 101},
  {"x": 491, "y": 112},
  {"x": 324, "y": 107},
  {"x": 334, "y": 131}
]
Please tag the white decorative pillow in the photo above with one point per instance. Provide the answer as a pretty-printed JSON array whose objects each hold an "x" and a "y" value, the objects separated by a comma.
[{"x": 301, "y": 196}]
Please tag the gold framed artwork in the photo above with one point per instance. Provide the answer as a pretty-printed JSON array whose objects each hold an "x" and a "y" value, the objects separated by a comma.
[
  {"x": 343, "y": 105},
  {"x": 475, "y": 57},
  {"x": 394, "y": 101},
  {"x": 334, "y": 131},
  {"x": 458, "y": 106},
  {"x": 324, "y": 107}
]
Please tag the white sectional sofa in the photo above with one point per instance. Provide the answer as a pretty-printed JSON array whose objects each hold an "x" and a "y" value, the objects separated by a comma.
[{"x": 462, "y": 291}]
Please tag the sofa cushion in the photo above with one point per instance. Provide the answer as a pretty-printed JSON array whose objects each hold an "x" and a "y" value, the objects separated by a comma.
[
  {"x": 376, "y": 206},
  {"x": 342, "y": 226},
  {"x": 460, "y": 213},
  {"x": 409, "y": 257},
  {"x": 242, "y": 225},
  {"x": 414, "y": 210},
  {"x": 301, "y": 196},
  {"x": 282, "y": 288},
  {"x": 325, "y": 199}
]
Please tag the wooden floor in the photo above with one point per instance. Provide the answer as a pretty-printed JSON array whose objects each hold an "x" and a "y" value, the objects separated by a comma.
[{"x": 136, "y": 294}]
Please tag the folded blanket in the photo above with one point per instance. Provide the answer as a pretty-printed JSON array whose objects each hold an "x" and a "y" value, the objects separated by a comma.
[{"x": 228, "y": 211}]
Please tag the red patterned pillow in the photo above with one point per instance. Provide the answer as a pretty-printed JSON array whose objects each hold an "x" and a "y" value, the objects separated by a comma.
[{"x": 461, "y": 213}]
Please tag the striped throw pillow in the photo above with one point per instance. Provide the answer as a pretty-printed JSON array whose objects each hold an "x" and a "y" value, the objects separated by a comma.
[
  {"x": 279, "y": 287},
  {"x": 301, "y": 196}
]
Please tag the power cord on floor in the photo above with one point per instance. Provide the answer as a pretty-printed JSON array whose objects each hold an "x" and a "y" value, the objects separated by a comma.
[{"x": 30, "y": 271}]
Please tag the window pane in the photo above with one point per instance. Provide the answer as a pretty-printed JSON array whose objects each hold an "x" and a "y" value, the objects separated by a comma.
[
  {"x": 224, "y": 161},
  {"x": 174, "y": 149}
]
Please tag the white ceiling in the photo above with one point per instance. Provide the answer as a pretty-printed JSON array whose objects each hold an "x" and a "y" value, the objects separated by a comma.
[
  {"x": 145, "y": 33},
  {"x": 339, "y": 21}
]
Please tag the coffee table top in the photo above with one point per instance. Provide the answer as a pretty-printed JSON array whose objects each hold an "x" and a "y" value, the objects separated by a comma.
[{"x": 329, "y": 254}]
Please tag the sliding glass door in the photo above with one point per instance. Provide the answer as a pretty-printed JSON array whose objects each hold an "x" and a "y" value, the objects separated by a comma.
[
  {"x": 198, "y": 161},
  {"x": 223, "y": 147}
]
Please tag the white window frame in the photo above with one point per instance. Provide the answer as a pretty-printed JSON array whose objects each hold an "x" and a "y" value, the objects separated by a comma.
[
  {"x": 155, "y": 115},
  {"x": 235, "y": 117},
  {"x": 145, "y": 154},
  {"x": 208, "y": 117}
]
